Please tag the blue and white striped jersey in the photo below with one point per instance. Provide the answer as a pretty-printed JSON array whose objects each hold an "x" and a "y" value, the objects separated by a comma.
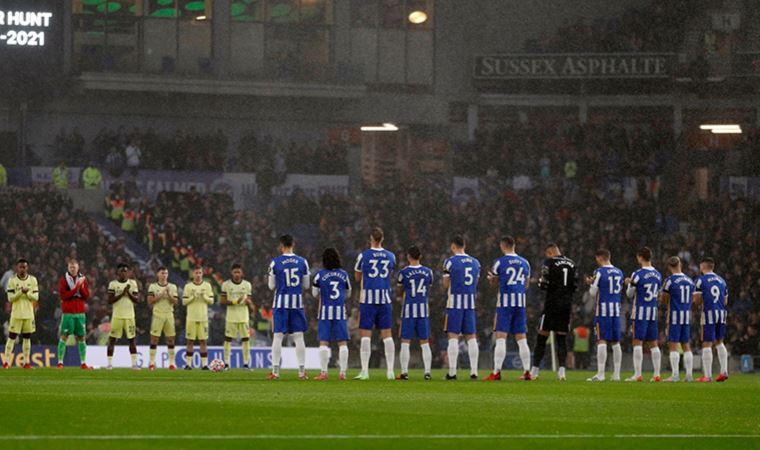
[
  {"x": 333, "y": 287},
  {"x": 608, "y": 281},
  {"x": 681, "y": 289},
  {"x": 512, "y": 270},
  {"x": 646, "y": 283},
  {"x": 714, "y": 291},
  {"x": 463, "y": 271},
  {"x": 416, "y": 281},
  {"x": 291, "y": 277},
  {"x": 376, "y": 266}
]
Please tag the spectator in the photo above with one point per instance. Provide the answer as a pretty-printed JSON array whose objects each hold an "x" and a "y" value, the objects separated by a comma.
[
  {"x": 61, "y": 176},
  {"x": 133, "y": 154},
  {"x": 91, "y": 177}
]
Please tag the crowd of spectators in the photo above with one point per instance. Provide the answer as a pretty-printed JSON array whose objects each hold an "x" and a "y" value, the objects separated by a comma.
[
  {"x": 124, "y": 151},
  {"x": 655, "y": 27},
  {"x": 548, "y": 149}
]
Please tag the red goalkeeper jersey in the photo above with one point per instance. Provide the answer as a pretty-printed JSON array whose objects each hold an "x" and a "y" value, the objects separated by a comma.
[{"x": 73, "y": 298}]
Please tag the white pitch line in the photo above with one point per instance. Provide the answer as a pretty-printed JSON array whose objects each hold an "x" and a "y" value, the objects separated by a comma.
[{"x": 307, "y": 437}]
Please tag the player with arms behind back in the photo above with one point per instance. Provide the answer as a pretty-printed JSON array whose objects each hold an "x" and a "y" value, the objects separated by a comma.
[
  {"x": 123, "y": 294},
  {"x": 162, "y": 297},
  {"x": 511, "y": 273},
  {"x": 332, "y": 287},
  {"x": 677, "y": 292},
  {"x": 558, "y": 279},
  {"x": 414, "y": 283},
  {"x": 644, "y": 287},
  {"x": 23, "y": 294},
  {"x": 74, "y": 292},
  {"x": 373, "y": 271},
  {"x": 712, "y": 294},
  {"x": 236, "y": 296},
  {"x": 288, "y": 277},
  {"x": 607, "y": 286},
  {"x": 460, "y": 278}
]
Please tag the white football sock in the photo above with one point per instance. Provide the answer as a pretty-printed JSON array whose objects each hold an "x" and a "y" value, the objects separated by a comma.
[
  {"x": 276, "y": 352},
  {"x": 722, "y": 357},
  {"x": 638, "y": 358},
  {"x": 390, "y": 354},
  {"x": 674, "y": 360},
  {"x": 324, "y": 357},
  {"x": 601, "y": 359},
  {"x": 522, "y": 345},
  {"x": 364, "y": 352},
  {"x": 343, "y": 358},
  {"x": 688, "y": 363},
  {"x": 403, "y": 357},
  {"x": 474, "y": 352},
  {"x": 707, "y": 360},
  {"x": 656, "y": 360},
  {"x": 499, "y": 353},
  {"x": 617, "y": 360},
  {"x": 300, "y": 352},
  {"x": 427, "y": 357},
  {"x": 453, "y": 352}
]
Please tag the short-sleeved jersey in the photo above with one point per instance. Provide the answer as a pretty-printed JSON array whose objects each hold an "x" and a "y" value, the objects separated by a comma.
[
  {"x": 237, "y": 312},
  {"x": 289, "y": 271},
  {"x": 681, "y": 289},
  {"x": 333, "y": 286},
  {"x": 558, "y": 278},
  {"x": 512, "y": 271},
  {"x": 463, "y": 271},
  {"x": 609, "y": 282},
  {"x": 416, "y": 281},
  {"x": 376, "y": 266},
  {"x": 713, "y": 289},
  {"x": 23, "y": 305},
  {"x": 197, "y": 297},
  {"x": 646, "y": 282},
  {"x": 123, "y": 308},
  {"x": 167, "y": 292}
]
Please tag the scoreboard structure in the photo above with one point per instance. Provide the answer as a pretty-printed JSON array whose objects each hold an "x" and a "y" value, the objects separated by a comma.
[{"x": 31, "y": 39}]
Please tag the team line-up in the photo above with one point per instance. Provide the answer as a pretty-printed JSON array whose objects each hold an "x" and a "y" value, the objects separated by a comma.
[{"x": 289, "y": 276}]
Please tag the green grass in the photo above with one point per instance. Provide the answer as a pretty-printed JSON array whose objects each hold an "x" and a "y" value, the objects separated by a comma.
[{"x": 232, "y": 408}]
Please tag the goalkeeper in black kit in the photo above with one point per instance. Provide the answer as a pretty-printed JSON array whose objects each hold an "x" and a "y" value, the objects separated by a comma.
[{"x": 559, "y": 280}]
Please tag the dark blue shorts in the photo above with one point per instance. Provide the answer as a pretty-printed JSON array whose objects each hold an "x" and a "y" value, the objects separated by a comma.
[
  {"x": 419, "y": 327},
  {"x": 608, "y": 329},
  {"x": 510, "y": 320},
  {"x": 333, "y": 330},
  {"x": 375, "y": 316},
  {"x": 460, "y": 321},
  {"x": 645, "y": 330},
  {"x": 713, "y": 332},
  {"x": 289, "y": 320},
  {"x": 679, "y": 333}
]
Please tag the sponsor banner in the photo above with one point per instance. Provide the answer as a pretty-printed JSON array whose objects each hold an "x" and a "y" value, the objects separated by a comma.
[
  {"x": 574, "y": 66},
  {"x": 261, "y": 357},
  {"x": 40, "y": 356},
  {"x": 513, "y": 361},
  {"x": 313, "y": 185},
  {"x": 242, "y": 187}
]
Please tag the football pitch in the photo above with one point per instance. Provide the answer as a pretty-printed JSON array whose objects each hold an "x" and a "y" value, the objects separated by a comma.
[{"x": 76, "y": 409}]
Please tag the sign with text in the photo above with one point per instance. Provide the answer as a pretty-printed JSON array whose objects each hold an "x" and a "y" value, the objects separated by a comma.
[
  {"x": 30, "y": 38},
  {"x": 574, "y": 66}
]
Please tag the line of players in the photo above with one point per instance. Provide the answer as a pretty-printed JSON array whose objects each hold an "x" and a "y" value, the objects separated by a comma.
[{"x": 289, "y": 276}]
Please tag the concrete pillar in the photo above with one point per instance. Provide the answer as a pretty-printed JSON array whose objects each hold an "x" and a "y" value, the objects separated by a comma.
[
  {"x": 220, "y": 36},
  {"x": 583, "y": 112},
  {"x": 472, "y": 121}
]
